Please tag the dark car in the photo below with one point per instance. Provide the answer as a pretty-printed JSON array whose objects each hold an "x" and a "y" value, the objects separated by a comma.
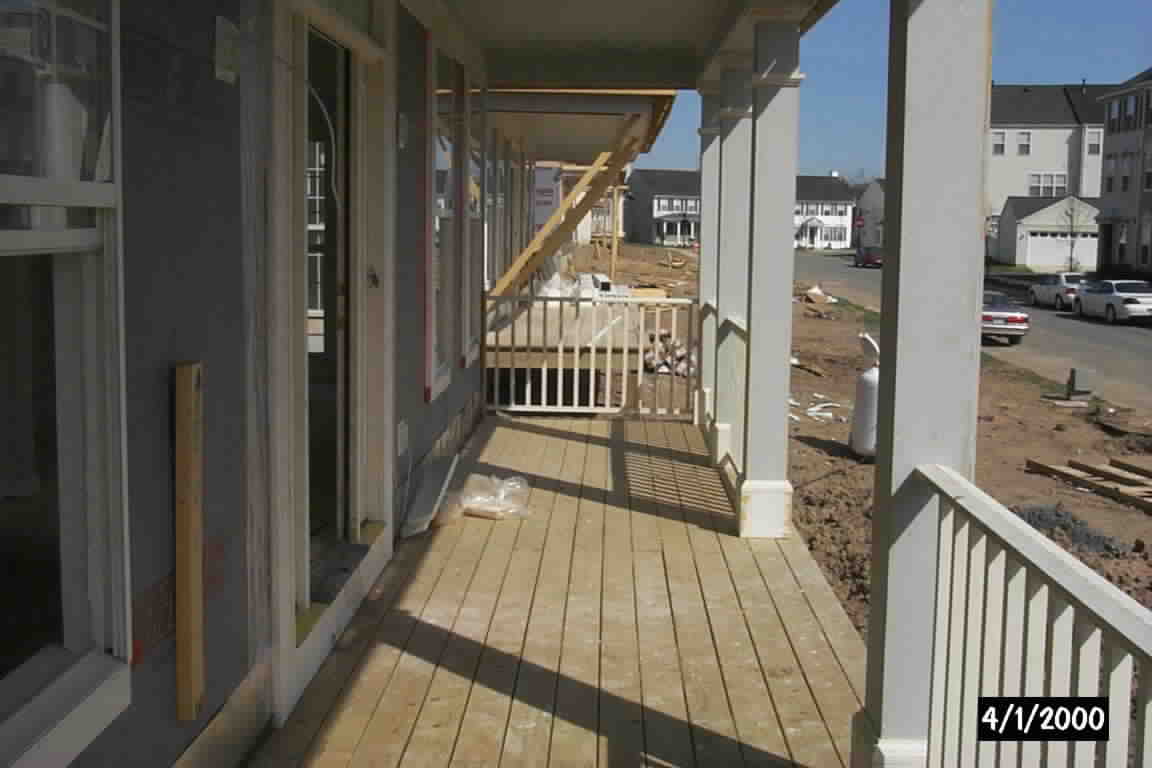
[{"x": 869, "y": 256}]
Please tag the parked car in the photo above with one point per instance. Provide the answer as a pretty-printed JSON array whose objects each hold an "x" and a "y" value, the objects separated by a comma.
[
  {"x": 1001, "y": 318},
  {"x": 1115, "y": 300},
  {"x": 869, "y": 256},
  {"x": 1057, "y": 290}
]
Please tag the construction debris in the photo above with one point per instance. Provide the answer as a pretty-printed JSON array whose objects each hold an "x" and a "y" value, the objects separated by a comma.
[
  {"x": 815, "y": 370},
  {"x": 1128, "y": 481},
  {"x": 667, "y": 355}
]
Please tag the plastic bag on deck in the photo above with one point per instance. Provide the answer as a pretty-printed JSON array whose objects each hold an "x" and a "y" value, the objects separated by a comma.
[{"x": 492, "y": 498}]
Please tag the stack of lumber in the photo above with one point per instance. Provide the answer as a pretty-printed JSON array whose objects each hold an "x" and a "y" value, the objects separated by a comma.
[{"x": 1127, "y": 480}]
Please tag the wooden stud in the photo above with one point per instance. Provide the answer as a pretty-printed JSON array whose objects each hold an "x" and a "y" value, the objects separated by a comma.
[{"x": 189, "y": 534}]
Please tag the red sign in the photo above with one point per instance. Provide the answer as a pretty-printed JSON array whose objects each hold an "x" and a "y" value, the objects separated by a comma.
[{"x": 859, "y": 222}]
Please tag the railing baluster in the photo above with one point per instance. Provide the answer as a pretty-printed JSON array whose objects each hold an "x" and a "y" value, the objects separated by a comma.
[
  {"x": 624, "y": 363},
  {"x": 673, "y": 403},
  {"x": 609, "y": 387},
  {"x": 1086, "y": 664},
  {"x": 973, "y": 644},
  {"x": 560, "y": 401},
  {"x": 500, "y": 304},
  {"x": 690, "y": 364},
  {"x": 642, "y": 353},
  {"x": 593, "y": 341},
  {"x": 1062, "y": 622},
  {"x": 1119, "y": 704},
  {"x": 943, "y": 616},
  {"x": 544, "y": 347},
  {"x": 515, "y": 399},
  {"x": 992, "y": 641},
  {"x": 1014, "y": 606},
  {"x": 954, "y": 708},
  {"x": 528, "y": 399},
  {"x": 1144, "y": 715},
  {"x": 1035, "y": 669}
]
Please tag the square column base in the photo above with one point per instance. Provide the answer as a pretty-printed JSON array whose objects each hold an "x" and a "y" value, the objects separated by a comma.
[
  {"x": 720, "y": 441},
  {"x": 766, "y": 509},
  {"x": 893, "y": 753}
]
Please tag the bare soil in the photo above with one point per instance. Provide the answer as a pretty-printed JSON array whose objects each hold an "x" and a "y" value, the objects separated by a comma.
[{"x": 834, "y": 490}]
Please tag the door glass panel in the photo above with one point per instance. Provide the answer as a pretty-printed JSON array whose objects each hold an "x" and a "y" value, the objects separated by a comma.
[
  {"x": 326, "y": 276},
  {"x": 55, "y": 88},
  {"x": 29, "y": 490}
]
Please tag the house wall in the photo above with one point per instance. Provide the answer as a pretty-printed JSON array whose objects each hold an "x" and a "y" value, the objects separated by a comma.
[
  {"x": 184, "y": 300},
  {"x": 433, "y": 429},
  {"x": 1056, "y": 149},
  {"x": 1005, "y": 251},
  {"x": 1048, "y": 250},
  {"x": 871, "y": 209},
  {"x": 638, "y": 211},
  {"x": 843, "y": 221}
]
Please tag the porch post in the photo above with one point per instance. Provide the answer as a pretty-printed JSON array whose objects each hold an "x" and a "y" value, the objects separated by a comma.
[
  {"x": 709, "y": 242},
  {"x": 939, "y": 70},
  {"x": 734, "y": 239},
  {"x": 766, "y": 494}
]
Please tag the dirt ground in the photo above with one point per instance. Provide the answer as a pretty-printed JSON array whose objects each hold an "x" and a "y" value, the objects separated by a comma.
[{"x": 834, "y": 490}]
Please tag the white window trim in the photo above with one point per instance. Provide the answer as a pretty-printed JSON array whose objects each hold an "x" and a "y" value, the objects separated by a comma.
[
  {"x": 471, "y": 279},
  {"x": 75, "y": 706}
]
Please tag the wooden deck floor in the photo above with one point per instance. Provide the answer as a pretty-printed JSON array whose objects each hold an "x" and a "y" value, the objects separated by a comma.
[{"x": 621, "y": 624}]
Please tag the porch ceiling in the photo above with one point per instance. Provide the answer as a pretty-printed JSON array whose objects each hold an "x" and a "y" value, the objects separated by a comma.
[
  {"x": 609, "y": 43},
  {"x": 575, "y": 126}
]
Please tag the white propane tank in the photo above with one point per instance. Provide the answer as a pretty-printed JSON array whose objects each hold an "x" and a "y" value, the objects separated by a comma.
[{"x": 862, "y": 440}]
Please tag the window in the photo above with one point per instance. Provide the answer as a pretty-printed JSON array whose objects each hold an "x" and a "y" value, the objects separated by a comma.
[
  {"x": 1113, "y": 116},
  {"x": 447, "y": 229},
  {"x": 1130, "y": 112},
  {"x": 473, "y": 221},
  {"x": 1047, "y": 184},
  {"x": 1148, "y": 169},
  {"x": 1146, "y": 240},
  {"x": 663, "y": 204},
  {"x": 826, "y": 209},
  {"x": 1024, "y": 143},
  {"x": 799, "y": 209},
  {"x": 1094, "y": 141},
  {"x": 1125, "y": 170},
  {"x": 316, "y": 184},
  {"x": 841, "y": 210},
  {"x": 834, "y": 234},
  {"x": 694, "y": 206},
  {"x": 63, "y": 522},
  {"x": 1148, "y": 108},
  {"x": 997, "y": 142},
  {"x": 677, "y": 205}
]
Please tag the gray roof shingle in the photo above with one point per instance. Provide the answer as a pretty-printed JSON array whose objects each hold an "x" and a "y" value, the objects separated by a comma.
[
  {"x": 823, "y": 188},
  {"x": 1048, "y": 104},
  {"x": 1024, "y": 207},
  {"x": 660, "y": 181}
]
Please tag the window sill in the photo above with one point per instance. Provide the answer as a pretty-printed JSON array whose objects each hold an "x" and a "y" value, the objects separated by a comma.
[{"x": 65, "y": 716}]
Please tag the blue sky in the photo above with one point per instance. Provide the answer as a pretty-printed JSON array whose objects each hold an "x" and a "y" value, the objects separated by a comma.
[{"x": 842, "y": 100}]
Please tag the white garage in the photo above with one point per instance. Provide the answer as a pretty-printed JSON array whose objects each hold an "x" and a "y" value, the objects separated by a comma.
[{"x": 1049, "y": 234}]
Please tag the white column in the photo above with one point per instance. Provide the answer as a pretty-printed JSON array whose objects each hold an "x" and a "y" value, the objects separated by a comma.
[
  {"x": 734, "y": 241},
  {"x": 930, "y": 365},
  {"x": 766, "y": 494},
  {"x": 709, "y": 243}
]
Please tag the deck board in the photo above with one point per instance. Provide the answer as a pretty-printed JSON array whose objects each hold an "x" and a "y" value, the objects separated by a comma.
[{"x": 620, "y": 624}]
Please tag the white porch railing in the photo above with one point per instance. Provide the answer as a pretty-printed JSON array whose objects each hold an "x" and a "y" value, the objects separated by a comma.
[
  {"x": 592, "y": 355},
  {"x": 1016, "y": 615}
]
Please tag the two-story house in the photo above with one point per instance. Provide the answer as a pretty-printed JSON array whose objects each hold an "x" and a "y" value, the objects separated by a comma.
[
  {"x": 1126, "y": 199},
  {"x": 663, "y": 206},
  {"x": 1044, "y": 141},
  {"x": 823, "y": 215}
]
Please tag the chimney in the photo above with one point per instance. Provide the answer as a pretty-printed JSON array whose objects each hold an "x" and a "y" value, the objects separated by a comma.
[{"x": 1084, "y": 87}]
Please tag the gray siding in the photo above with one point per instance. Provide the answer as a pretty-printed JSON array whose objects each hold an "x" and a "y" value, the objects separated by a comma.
[
  {"x": 638, "y": 211},
  {"x": 184, "y": 301},
  {"x": 871, "y": 209},
  {"x": 426, "y": 421}
]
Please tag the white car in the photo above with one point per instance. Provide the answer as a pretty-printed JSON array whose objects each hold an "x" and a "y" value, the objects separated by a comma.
[
  {"x": 1115, "y": 300},
  {"x": 1057, "y": 290}
]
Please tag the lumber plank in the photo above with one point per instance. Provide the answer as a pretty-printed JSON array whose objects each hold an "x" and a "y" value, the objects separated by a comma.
[
  {"x": 189, "y": 529},
  {"x": 527, "y": 740},
  {"x": 1114, "y": 474},
  {"x": 1118, "y": 491},
  {"x": 1135, "y": 464}
]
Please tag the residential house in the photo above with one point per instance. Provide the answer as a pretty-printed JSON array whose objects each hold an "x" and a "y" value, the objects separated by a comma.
[
  {"x": 1044, "y": 141},
  {"x": 205, "y": 518},
  {"x": 662, "y": 206},
  {"x": 1049, "y": 234},
  {"x": 1126, "y": 200},
  {"x": 870, "y": 215},
  {"x": 824, "y": 212}
]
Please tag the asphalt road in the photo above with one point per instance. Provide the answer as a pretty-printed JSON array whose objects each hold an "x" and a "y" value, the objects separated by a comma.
[{"x": 1116, "y": 360}]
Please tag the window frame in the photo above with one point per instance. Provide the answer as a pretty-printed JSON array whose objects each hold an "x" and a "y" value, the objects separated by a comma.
[
  {"x": 1024, "y": 143},
  {"x": 1095, "y": 139},
  {"x": 70, "y": 698},
  {"x": 999, "y": 141},
  {"x": 472, "y": 252}
]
